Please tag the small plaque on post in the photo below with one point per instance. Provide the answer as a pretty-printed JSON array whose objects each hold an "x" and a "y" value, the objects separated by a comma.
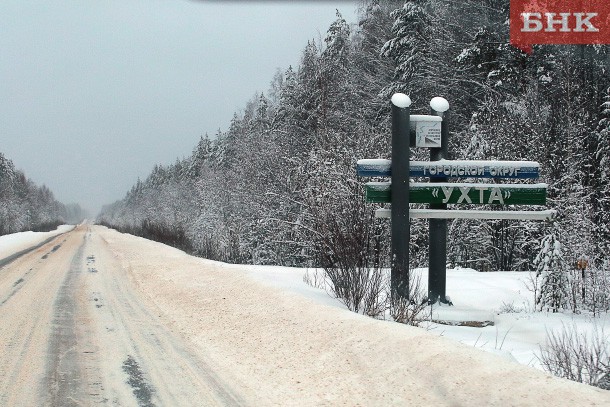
[{"x": 427, "y": 130}]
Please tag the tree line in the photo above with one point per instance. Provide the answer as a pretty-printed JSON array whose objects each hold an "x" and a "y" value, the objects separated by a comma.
[
  {"x": 279, "y": 186},
  {"x": 25, "y": 206}
]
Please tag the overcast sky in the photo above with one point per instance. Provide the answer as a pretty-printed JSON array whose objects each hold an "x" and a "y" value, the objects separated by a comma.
[{"x": 94, "y": 93}]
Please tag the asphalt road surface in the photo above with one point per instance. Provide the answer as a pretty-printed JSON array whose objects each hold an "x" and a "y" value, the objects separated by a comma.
[{"x": 73, "y": 333}]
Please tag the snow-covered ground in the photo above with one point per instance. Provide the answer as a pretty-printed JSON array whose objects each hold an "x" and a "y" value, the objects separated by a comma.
[
  {"x": 276, "y": 340},
  {"x": 502, "y": 298},
  {"x": 16, "y": 242}
]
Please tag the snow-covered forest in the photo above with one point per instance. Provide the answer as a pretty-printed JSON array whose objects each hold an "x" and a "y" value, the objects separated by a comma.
[
  {"x": 26, "y": 206},
  {"x": 279, "y": 186}
]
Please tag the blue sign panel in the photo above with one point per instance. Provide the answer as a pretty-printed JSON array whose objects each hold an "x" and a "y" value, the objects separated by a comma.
[{"x": 454, "y": 169}]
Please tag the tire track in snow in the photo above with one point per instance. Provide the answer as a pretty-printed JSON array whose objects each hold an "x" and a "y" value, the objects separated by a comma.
[
  {"x": 15, "y": 256},
  {"x": 77, "y": 332},
  {"x": 159, "y": 367},
  {"x": 64, "y": 370},
  {"x": 18, "y": 284},
  {"x": 141, "y": 389},
  {"x": 31, "y": 284}
]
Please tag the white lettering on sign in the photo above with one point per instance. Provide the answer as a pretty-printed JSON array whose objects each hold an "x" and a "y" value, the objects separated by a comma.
[
  {"x": 449, "y": 170},
  {"x": 532, "y": 22},
  {"x": 464, "y": 195},
  {"x": 447, "y": 191},
  {"x": 495, "y": 194},
  {"x": 455, "y": 171},
  {"x": 551, "y": 22},
  {"x": 580, "y": 22}
]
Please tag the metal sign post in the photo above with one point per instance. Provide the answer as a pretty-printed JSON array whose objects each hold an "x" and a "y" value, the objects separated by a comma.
[
  {"x": 432, "y": 131},
  {"x": 401, "y": 232},
  {"x": 437, "y": 246}
]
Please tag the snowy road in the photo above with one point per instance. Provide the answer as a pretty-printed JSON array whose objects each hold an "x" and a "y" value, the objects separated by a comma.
[
  {"x": 96, "y": 317},
  {"x": 73, "y": 333}
]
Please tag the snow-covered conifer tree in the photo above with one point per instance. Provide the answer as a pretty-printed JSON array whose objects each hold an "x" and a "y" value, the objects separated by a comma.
[
  {"x": 551, "y": 271},
  {"x": 408, "y": 47}
]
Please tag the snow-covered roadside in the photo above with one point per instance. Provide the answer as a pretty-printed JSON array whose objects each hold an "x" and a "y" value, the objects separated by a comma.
[
  {"x": 503, "y": 299},
  {"x": 267, "y": 332},
  {"x": 16, "y": 242}
]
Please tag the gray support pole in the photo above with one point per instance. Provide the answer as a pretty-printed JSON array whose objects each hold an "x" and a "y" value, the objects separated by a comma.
[
  {"x": 437, "y": 252},
  {"x": 400, "y": 195}
]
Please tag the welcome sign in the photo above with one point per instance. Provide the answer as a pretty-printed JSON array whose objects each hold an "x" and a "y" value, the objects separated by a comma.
[{"x": 559, "y": 22}]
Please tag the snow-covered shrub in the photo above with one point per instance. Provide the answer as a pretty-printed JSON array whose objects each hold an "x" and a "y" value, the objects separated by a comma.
[
  {"x": 346, "y": 240},
  {"x": 511, "y": 308},
  {"x": 314, "y": 278},
  {"x": 575, "y": 355},
  {"x": 411, "y": 310},
  {"x": 360, "y": 288}
]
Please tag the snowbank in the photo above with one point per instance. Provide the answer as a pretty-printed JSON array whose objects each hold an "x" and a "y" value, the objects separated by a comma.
[
  {"x": 283, "y": 348},
  {"x": 16, "y": 242}
]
